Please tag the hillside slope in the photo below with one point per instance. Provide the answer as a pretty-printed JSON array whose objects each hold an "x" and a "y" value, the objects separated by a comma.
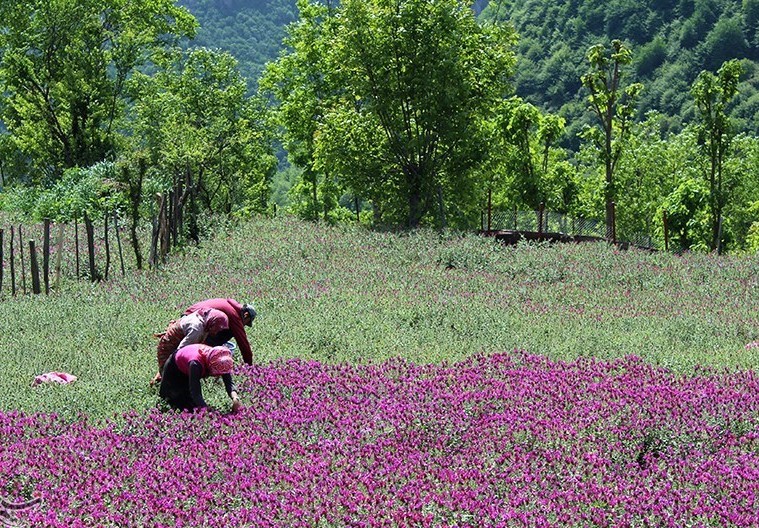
[{"x": 672, "y": 41}]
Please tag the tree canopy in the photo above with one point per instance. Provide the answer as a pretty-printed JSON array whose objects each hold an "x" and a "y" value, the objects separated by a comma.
[
  {"x": 64, "y": 66},
  {"x": 417, "y": 78}
]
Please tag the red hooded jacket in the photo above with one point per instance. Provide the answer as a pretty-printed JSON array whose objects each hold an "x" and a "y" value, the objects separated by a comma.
[{"x": 232, "y": 310}]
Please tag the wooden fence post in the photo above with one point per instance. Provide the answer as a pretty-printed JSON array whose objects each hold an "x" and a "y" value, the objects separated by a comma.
[
  {"x": 76, "y": 245},
  {"x": 34, "y": 268},
  {"x": 153, "y": 259},
  {"x": 13, "y": 267},
  {"x": 90, "y": 246},
  {"x": 118, "y": 240},
  {"x": 165, "y": 230},
  {"x": 107, "y": 246},
  {"x": 613, "y": 222},
  {"x": 21, "y": 252},
  {"x": 1, "y": 260},
  {"x": 58, "y": 255},
  {"x": 490, "y": 209},
  {"x": 541, "y": 211},
  {"x": 46, "y": 256},
  {"x": 666, "y": 231}
]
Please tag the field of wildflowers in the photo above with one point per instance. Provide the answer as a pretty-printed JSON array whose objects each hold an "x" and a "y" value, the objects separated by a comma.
[{"x": 420, "y": 379}]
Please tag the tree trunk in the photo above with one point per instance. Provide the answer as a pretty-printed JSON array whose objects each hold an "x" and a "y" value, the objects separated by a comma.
[
  {"x": 415, "y": 208},
  {"x": 135, "y": 197}
]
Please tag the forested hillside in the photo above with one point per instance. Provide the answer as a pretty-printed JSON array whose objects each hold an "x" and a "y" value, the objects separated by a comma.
[
  {"x": 251, "y": 30},
  {"x": 672, "y": 41}
]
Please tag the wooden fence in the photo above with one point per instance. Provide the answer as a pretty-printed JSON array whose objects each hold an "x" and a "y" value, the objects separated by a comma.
[
  {"x": 29, "y": 269},
  {"x": 512, "y": 226},
  {"x": 25, "y": 269}
]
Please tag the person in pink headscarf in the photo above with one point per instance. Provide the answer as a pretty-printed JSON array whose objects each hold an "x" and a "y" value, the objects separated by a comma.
[
  {"x": 188, "y": 330},
  {"x": 180, "y": 383}
]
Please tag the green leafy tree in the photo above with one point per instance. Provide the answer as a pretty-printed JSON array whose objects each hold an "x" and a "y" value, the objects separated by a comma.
[
  {"x": 63, "y": 70},
  {"x": 613, "y": 106},
  {"x": 423, "y": 75},
  {"x": 712, "y": 94},
  {"x": 530, "y": 158},
  {"x": 298, "y": 83},
  {"x": 204, "y": 135}
]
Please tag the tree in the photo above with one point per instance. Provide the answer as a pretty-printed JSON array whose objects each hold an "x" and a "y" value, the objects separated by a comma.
[
  {"x": 64, "y": 67},
  {"x": 613, "y": 106},
  {"x": 712, "y": 94},
  {"x": 204, "y": 136},
  {"x": 529, "y": 139},
  {"x": 424, "y": 75},
  {"x": 298, "y": 84}
]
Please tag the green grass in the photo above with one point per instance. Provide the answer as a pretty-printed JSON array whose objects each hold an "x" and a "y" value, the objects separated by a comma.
[{"x": 347, "y": 294}]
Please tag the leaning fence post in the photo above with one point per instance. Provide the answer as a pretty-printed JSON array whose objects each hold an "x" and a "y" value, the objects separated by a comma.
[
  {"x": 21, "y": 251},
  {"x": 666, "y": 231},
  {"x": 90, "y": 246},
  {"x": 34, "y": 268},
  {"x": 107, "y": 246},
  {"x": 58, "y": 255},
  {"x": 46, "y": 256},
  {"x": 13, "y": 267}
]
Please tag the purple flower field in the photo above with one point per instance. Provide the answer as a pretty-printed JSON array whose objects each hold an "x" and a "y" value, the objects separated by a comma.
[{"x": 496, "y": 440}]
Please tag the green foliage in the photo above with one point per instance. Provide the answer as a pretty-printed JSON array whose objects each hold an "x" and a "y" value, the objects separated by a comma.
[
  {"x": 93, "y": 191},
  {"x": 63, "y": 71},
  {"x": 712, "y": 94},
  {"x": 417, "y": 79},
  {"x": 204, "y": 137},
  {"x": 613, "y": 106},
  {"x": 250, "y": 30},
  {"x": 674, "y": 41},
  {"x": 528, "y": 169},
  {"x": 686, "y": 221}
]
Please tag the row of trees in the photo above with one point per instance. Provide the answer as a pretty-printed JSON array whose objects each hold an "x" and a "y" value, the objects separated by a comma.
[
  {"x": 409, "y": 106},
  {"x": 402, "y": 112},
  {"x": 104, "y": 88}
]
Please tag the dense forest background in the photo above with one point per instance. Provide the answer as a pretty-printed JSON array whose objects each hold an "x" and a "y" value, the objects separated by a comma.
[
  {"x": 410, "y": 114},
  {"x": 672, "y": 41}
]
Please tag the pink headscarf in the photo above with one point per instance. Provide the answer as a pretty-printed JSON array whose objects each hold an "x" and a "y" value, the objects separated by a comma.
[
  {"x": 215, "y": 320},
  {"x": 218, "y": 360}
]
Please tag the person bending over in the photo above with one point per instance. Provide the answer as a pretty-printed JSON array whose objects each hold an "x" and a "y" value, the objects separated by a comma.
[
  {"x": 180, "y": 383},
  {"x": 188, "y": 330},
  {"x": 239, "y": 315}
]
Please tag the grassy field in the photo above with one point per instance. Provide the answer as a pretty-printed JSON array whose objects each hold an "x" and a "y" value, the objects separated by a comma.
[
  {"x": 349, "y": 295},
  {"x": 413, "y": 380}
]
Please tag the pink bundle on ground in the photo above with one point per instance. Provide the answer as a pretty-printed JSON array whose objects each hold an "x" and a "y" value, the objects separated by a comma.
[{"x": 54, "y": 377}]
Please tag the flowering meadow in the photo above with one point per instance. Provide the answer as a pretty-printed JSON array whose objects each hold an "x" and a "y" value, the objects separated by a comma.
[
  {"x": 506, "y": 439},
  {"x": 412, "y": 379}
]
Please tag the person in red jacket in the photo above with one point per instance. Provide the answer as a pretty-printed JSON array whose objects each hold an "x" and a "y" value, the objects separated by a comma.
[
  {"x": 180, "y": 383},
  {"x": 239, "y": 316}
]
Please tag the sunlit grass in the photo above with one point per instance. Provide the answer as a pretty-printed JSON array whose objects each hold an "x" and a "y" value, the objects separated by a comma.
[{"x": 351, "y": 295}]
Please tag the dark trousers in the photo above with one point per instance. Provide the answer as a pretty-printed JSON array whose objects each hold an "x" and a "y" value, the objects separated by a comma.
[
  {"x": 175, "y": 386},
  {"x": 219, "y": 339}
]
